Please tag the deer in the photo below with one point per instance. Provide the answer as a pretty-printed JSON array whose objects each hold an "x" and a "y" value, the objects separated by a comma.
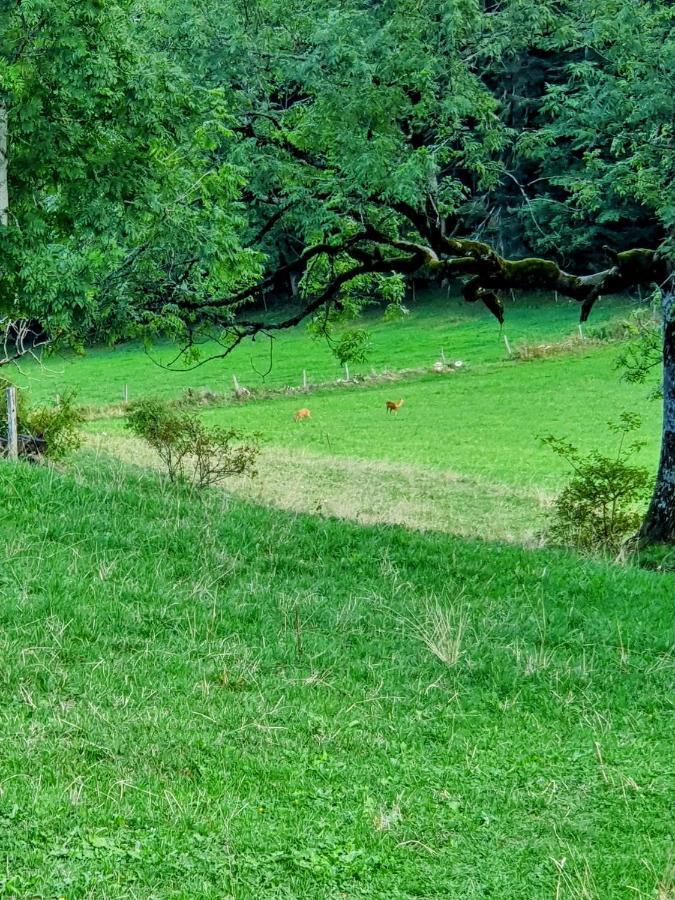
[
  {"x": 394, "y": 407},
  {"x": 303, "y": 413}
]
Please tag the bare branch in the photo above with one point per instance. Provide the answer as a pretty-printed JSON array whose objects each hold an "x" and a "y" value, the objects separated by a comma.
[{"x": 20, "y": 338}]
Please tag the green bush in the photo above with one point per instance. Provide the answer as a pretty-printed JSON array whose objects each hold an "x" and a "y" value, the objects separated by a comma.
[
  {"x": 50, "y": 431},
  {"x": 190, "y": 451},
  {"x": 57, "y": 425},
  {"x": 601, "y": 506}
]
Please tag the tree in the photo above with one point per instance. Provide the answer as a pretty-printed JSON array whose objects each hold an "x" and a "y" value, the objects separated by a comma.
[{"x": 109, "y": 151}]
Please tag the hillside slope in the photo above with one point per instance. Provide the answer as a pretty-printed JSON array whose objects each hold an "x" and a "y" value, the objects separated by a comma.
[{"x": 204, "y": 698}]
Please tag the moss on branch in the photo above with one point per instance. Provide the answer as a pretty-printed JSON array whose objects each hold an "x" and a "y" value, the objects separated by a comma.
[{"x": 492, "y": 273}]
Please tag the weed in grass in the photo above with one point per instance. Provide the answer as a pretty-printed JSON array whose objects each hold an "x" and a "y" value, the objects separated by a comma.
[
  {"x": 388, "y": 817},
  {"x": 666, "y": 885},
  {"x": 575, "y": 880},
  {"x": 441, "y": 630}
]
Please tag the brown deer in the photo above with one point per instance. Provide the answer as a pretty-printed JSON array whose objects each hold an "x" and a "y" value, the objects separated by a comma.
[
  {"x": 303, "y": 413},
  {"x": 394, "y": 407}
]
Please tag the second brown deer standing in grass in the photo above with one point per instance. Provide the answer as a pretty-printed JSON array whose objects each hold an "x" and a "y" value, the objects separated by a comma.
[
  {"x": 394, "y": 407},
  {"x": 303, "y": 413}
]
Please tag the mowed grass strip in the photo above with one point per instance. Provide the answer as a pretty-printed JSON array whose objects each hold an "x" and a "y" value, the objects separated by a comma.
[
  {"x": 201, "y": 698},
  {"x": 372, "y": 492}
]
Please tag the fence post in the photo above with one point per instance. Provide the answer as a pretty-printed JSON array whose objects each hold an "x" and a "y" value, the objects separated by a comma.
[
  {"x": 12, "y": 426},
  {"x": 346, "y": 372},
  {"x": 236, "y": 384},
  {"x": 126, "y": 393},
  {"x": 304, "y": 379},
  {"x": 508, "y": 346},
  {"x": 442, "y": 356}
]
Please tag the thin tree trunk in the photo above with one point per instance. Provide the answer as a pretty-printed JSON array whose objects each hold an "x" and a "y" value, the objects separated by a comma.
[
  {"x": 4, "y": 189},
  {"x": 659, "y": 523}
]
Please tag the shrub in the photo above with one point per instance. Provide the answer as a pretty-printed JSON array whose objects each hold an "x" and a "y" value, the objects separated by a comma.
[
  {"x": 189, "y": 450},
  {"x": 644, "y": 319},
  {"x": 51, "y": 431},
  {"x": 601, "y": 505},
  {"x": 57, "y": 426}
]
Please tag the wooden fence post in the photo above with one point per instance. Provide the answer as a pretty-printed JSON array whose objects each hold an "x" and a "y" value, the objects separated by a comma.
[
  {"x": 304, "y": 379},
  {"x": 126, "y": 393},
  {"x": 12, "y": 425},
  {"x": 346, "y": 372}
]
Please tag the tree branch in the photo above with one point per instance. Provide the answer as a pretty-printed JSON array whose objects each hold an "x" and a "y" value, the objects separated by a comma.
[
  {"x": 18, "y": 338},
  {"x": 372, "y": 251}
]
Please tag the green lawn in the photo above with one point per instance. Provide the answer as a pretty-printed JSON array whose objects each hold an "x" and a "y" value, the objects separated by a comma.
[
  {"x": 463, "y": 455},
  {"x": 436, "y": 322},
  {"x": 483, "y": 423},
  {"x": 203, "y": 698}
]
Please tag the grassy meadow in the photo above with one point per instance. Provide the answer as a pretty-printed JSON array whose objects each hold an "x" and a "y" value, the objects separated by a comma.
[
  {"x": 464, "y": 453},
  {"x": 204, "y": 698},
  {"x": 434, "y": 323},
  {"x": 356, "y": 675}
]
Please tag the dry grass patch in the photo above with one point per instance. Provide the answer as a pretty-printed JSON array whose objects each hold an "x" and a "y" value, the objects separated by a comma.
[
  {"x": 441, "y": 630},
  {"x": 372, "y": 492}
]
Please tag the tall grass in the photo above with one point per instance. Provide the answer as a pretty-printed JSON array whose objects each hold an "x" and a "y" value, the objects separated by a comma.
[{"x": 201, "y": 698}]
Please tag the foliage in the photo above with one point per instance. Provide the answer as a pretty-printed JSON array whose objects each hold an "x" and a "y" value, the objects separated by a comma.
[
  {"x": 202, "y": 145},
  {"x": 57, "y": 425},
  {"x": 118, "y": 189},
  {"x": 50, "y": 431},
  {"x": 190, "y": 451},
  {"x": 614, "y": 113},
  {"x": 353, "y": 346},
  {"x": 643, "y": 355},
  {"x": 602, "y": 504}
]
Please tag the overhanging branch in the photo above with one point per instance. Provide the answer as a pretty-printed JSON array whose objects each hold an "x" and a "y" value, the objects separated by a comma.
[
  {"x": 370, "y": 251},
  {"x": 20, "y": 338}
]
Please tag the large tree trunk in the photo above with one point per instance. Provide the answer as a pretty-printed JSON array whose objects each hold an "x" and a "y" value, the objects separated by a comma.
[
  {"x": 659, "y": 524},
  {"x": 4, "y": 193}
]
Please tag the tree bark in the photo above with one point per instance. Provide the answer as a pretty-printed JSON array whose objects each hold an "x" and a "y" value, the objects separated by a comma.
[
  {"x": 659, "y": 523},
  {"x": 4, "y": 191}
]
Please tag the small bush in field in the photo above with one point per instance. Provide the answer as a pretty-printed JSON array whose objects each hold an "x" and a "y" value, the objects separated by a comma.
[
  {"x": 57, "y": 426},
  {"x": 601, "y": 505},
  {"x": 189, "y": 450},
  {"x": 50, "y": 431}
]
